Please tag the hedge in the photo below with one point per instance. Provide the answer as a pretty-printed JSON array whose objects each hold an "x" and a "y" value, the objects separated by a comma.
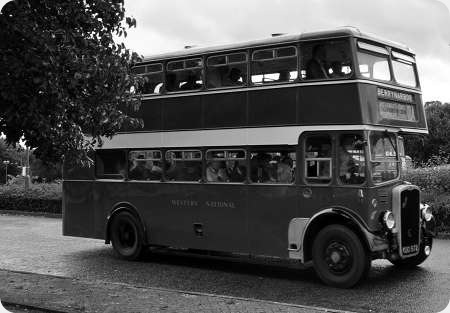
[
  {"x": 434, "y": 183},
  {"x": 39, "y": 197}
]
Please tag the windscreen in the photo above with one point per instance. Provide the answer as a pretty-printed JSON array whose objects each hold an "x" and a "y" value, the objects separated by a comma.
[
  {"x": 384, "y": 156},
  {"x": 403, "y": 67},
  {"x": 373, "y": 61}
]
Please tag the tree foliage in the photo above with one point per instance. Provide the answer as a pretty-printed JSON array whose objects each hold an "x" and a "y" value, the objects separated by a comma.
[
  {"x": 435, "y": 147},
  {"x": 16, "y": 157},
  {"x": 62, "y": 75}
]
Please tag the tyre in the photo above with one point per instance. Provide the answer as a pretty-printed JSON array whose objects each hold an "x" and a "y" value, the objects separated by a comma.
[
  {"x": 415, "y": 260},
  {"x": 340, "y": 259},
  {"x": 127, "y": 236}
]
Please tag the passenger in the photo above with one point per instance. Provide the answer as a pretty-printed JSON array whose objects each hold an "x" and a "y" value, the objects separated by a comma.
[
  {"x": 216, "y": 172},
  {"x": 261, "y": 168},
  {"x": 191, "y": 83},
  {"x": 336, "y": 67},
  {"x": 191, "y": 171},
  {"x": 347, "y": 165},
  {"x": 155, "y": 170},
  {"x": 284, "y": 171},
  {"x": 171, "y": 82},
  {"x": 234, "y": 77},
  {"x": 171, "y": 168},
  {"x": 235, "y": 172},
  {"x": 139, "y": 171},
  {"x": 285, "y": 76},
  {"x": 316, "y": 67}
]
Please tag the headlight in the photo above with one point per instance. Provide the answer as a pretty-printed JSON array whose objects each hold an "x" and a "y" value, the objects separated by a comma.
[
  {"x": 389, "y": 220},
  {"x": 427, "y": 214}
]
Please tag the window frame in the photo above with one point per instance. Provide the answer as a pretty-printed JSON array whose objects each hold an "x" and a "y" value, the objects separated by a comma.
[
  {"x": 269, "y": 149},
  {"x": 184, "y": 60},
  {"x": 147, "y": 73},
  {"x": 244, "y": 159},
  {"x": 403, "y": 58},
  {"x": 332, "y": 158},
  {"x": 377, "y": 51},
  {"x": 397, "y": 160},
  {"x": 129, "y": 160},
  {"x": 274, "y": 49},
  {"x": 227, "y": 62},
  {"x": 116, "y": 176},
  {"x": 365, "y": 154}
]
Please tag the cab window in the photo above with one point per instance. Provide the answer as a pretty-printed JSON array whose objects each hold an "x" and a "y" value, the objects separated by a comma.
[{"x": 351, "y": 160}]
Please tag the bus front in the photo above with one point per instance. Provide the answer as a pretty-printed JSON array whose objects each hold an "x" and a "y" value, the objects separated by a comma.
[{"x": 391, "y": 103}]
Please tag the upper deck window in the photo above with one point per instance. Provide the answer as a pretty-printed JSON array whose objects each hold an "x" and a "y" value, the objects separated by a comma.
[
  {"x": 403, "y": 66},
  {"x": 274, "y": 65},
  {"x": 227, "y": 70},
  {"x": 373, "y": 61},
  {"x": 326, "y": 60},
  {"x": 184, "y": 75},
  {"x": 153, "y": 78}
]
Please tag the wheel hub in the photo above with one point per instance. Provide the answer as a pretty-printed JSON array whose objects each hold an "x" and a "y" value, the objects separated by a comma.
[{"x": 338, "y": 257}]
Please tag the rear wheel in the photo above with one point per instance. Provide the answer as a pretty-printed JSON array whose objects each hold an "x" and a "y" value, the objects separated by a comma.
[
  {"x": 127, "y": 236},
  {"x": 339, "y": 257}
]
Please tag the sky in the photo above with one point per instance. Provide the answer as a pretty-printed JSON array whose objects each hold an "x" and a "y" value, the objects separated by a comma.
[{"x": 423, "y": 25}]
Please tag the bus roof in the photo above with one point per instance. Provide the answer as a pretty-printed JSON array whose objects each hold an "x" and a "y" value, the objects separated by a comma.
[{"x": 280, "y": 39}]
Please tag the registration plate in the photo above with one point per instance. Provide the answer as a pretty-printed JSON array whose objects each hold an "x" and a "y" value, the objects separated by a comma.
[{"x": 410, "y": 249}]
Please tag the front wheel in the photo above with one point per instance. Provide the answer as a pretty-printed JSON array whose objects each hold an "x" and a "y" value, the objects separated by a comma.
[
  {"x": 127, "y": 236},
  {"x": 339, "y": 257}
]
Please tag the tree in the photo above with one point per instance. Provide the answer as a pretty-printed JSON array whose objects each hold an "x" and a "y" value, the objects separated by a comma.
[
  {"x": 15, "y": 155},
  {"x": 435, "y": 146},
  {"x": 62, "y": 75}
]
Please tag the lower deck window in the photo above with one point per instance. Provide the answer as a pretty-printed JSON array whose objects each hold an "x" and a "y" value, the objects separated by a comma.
[
  {"x": 145, "y": 165},
  {"x": 273, "y": 167},
  {"x": 183, "y": 165},
  {"x": 110, "y": 164},
  {"x": 226, "y": 166}
]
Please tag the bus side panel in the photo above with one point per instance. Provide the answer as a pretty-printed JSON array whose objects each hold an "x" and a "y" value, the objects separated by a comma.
[
  {"x": 192, "y": 215},
  {"x": 170, "y": 211},
  {"x": 272, "y": 107},
  {"x": 225, "y": 109},
  {"x": 270, "y": 210},
  {"x": 182, "y": 113},
  {"x": 78, "y": 209},
  {"x": 223, "y": 213},
  {"x": 329, "y": 104},
  {"x": 106, "y": 195}
]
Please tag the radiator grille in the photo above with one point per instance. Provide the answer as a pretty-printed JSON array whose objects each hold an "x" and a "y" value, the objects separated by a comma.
[{"x": 410, "y": 219}]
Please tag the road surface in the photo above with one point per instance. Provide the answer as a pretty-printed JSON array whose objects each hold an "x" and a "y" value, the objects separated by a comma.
[{"x": 35, "y": 244}]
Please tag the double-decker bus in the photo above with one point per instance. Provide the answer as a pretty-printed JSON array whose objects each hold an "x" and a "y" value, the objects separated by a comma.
[{"x": 288, "y": 147}]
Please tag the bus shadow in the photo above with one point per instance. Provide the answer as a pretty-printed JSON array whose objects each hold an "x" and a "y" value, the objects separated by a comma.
[{"x": 249, "y": 265}]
